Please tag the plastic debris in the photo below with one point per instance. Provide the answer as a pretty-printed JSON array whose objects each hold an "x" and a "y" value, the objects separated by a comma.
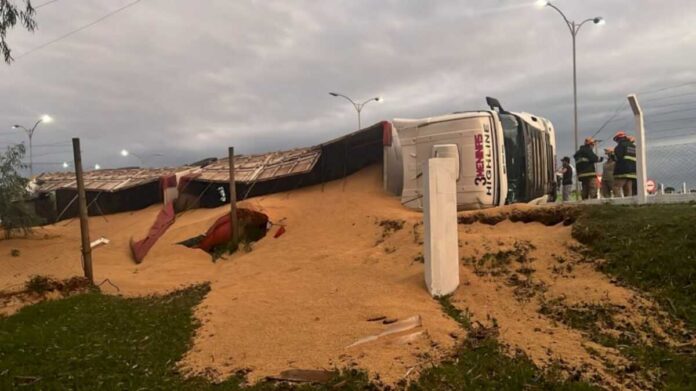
[
  {"x": 404, "y": 325},
  {"x": 99, "y": 242}
]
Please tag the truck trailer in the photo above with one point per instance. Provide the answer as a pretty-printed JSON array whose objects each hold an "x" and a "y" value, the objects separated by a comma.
[{"x": 503, "y": 157}]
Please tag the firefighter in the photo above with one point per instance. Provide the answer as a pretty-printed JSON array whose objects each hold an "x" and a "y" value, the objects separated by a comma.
[
  {"x": 585, "y": 160},
  {"x": 625, "y": 168},
  {"x": 608, "y": 173},
  {"x": 634, "y": 181},
  {"x": 566, "y": 173}
]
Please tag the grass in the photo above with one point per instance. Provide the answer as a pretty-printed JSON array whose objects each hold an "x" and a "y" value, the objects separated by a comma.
[
  {"x": 96, "y": 341},
  {"x": 496, "y": 263},
  {"x": 652, "y": 248},
  {"x": 480, "y": 364}
]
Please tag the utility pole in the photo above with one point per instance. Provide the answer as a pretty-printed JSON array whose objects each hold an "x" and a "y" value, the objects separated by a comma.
[
  {"x": 82, "y": 205},
  {"x": 234, "y": 224}
]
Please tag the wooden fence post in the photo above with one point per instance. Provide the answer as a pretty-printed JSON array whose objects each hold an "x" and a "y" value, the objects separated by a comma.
[
  {"x": 82, "y": 205},
  {"x": 234, "y": 228}
]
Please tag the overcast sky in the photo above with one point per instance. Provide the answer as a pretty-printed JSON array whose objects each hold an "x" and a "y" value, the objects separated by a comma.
[{"x": 188, "y": 78}]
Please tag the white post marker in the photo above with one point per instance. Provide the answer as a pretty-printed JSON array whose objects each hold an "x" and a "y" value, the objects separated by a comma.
[
  {"x": 441, "y": 250},
  {"x": 642, "y": 175},
  {"x": 684, "y": 188}
]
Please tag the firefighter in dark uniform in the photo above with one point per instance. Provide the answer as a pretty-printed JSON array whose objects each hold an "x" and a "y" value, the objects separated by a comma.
[
  {"x": 585, "y": 160},
  {"x": 625, "y": 168}
]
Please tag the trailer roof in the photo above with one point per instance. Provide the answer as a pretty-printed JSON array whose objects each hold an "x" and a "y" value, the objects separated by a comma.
[{"x": 109, "y": 180}]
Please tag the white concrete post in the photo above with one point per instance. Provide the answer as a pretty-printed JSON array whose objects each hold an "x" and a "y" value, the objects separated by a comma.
[
  {"x": 641, "y": 173},
  {"x": 662, "y": 188},
  {"x": 441, "y": 250},
  {"x": 684, "y": 188}
]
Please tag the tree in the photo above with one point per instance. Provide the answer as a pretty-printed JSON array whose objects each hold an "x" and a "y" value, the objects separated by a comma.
[
  {"x": 10, "y": 14},
  {"x": 14, "y": 214}
]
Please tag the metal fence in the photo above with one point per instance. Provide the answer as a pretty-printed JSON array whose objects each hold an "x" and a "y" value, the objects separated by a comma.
[{"x": 670, "y": 130}]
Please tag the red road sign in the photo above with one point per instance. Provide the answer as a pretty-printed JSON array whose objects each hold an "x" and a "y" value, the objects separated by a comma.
[{"x": 650, "y": 186}]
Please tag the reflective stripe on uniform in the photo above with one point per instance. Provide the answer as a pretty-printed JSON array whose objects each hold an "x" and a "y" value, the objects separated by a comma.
[
  {"x": 630, "y": 158},
  {"x": 582, "y": 160},
  {"x": 587, "y": 174},
  {"x": 625, "y": 176}
]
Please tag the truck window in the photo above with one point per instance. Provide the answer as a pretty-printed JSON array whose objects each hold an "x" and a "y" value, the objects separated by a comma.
[{"x": 514, "y": 157}]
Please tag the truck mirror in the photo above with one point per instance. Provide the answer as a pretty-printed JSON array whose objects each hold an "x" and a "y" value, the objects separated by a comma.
[{"x": 494, "y": 104}]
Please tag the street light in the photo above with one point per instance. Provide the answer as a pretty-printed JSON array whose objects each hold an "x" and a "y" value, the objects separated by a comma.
[
  {"x": 358, "y": 106},
  {"x": 126, "y": 153},
  {"x": 574, "y": 28},
  {"x": 65, "y": 165},
  {"x": 30, "y": 132},
  {"x": 97, "y": 167}
]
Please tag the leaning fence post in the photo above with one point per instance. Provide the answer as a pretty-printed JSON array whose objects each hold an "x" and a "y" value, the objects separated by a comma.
[
  {"x": 82, "y": 206},
  {"x": 640, "y": 149},
  {"x": 234, "y": 226}
]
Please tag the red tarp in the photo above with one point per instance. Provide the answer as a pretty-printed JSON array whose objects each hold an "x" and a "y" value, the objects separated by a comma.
[
  {"x": 220, "y": 232},
  {"x": 164, "y": 219}
]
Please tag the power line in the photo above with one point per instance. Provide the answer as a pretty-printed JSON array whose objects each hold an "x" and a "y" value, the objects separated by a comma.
[
  {"x": 671, "y": 104},
  {"x": 623, "y": 104},
  {"x": 44, "y": 4},
  {"x": 672, "y": 112},
  {"x": 665, "y": 130},
  {"x": 691, "y": 131},
  {"x": 88, "y": 25},
  {"x": 671, "y": 96},
  {"x": 668, "y": 88},
  {"x": 673, "y": 120}
]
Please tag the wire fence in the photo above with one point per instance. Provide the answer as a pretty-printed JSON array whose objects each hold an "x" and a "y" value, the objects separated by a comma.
[{"x": 670, "y": 132}]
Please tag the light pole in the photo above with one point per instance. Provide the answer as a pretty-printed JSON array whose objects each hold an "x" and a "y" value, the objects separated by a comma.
[
  {"x": 358, "y": 106},
  {"x": 30, "y": 132},
  {"x": 574, "y": 28},
  {"x": 126, "y": 153}
]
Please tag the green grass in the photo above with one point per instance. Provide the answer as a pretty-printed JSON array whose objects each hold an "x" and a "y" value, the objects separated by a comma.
[
  {"x": 652, "y": 248},
  {"x": 95, "y": 341},
  {"x": 480, "y": 364}
]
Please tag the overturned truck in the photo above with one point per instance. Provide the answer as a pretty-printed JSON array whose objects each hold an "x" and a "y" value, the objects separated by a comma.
[{"x": 503, "y": 157}]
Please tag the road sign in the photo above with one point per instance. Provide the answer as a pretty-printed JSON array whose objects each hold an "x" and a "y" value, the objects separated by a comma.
[{"x": 650, "y": 186}]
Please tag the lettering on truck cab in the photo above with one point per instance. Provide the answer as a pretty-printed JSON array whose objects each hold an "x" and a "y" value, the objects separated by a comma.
[{"x": 484, "y": 160}]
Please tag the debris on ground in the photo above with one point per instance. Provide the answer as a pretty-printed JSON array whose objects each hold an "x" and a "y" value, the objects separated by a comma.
[
  {"x": 394, "y": 328},
  {"x": 305, "y": 376}
]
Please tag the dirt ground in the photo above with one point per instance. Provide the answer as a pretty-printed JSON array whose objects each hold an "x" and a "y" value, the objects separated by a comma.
[{"x": 350, "y": 253}]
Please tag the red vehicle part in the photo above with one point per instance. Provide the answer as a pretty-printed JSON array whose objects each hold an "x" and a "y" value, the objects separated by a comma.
[{"x": 220, "y": 232}]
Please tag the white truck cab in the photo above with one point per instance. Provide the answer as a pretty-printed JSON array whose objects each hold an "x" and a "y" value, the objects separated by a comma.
[{"x": 504, "y": 157}]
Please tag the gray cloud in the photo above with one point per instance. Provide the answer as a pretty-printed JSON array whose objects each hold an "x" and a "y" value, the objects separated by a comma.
[{"x": 187, "y": 79}]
